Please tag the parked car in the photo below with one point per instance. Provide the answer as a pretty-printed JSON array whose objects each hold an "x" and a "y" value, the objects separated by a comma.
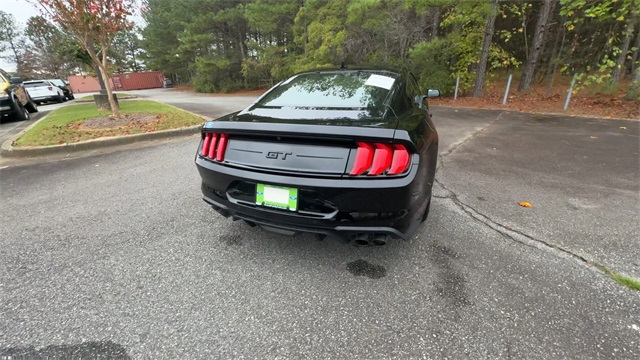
[
  {"x": 15, "y": 102},
  {"x": 64, "y": 86},
  {"x": 349, "y": 154},
  {"x": 44, "y": 91}
]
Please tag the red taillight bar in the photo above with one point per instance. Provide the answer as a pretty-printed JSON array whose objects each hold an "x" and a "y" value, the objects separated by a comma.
[
  {"x": 376, "y": 158},
  {"x": 222, "y": 146},
  {"x": 400, "y": 160},
  {"x": 364, "y": 157},
  {"x": 205, "y": 144},
  {"x": 381, "y": 159},
  {"x": 214, "y": 146}
]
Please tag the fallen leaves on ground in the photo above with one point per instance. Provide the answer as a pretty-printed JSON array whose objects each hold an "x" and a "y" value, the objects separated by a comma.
[
  {"x": 536, "y": 101},
  {"x": 525, "y": 204}
]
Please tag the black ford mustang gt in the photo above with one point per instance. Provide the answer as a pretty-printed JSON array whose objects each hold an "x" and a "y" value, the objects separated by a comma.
[{"x": 349, "y": 154}]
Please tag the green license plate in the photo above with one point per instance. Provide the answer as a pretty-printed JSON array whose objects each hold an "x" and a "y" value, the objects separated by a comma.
[{"x": 277, "y": 197}]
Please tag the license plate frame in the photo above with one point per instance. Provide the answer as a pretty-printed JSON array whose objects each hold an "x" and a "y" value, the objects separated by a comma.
[{"x": 278, "y": 197}]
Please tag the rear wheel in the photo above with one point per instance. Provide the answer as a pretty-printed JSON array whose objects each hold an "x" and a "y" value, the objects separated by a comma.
[
  {"x": 60, "y": 99},
  {"x": 426, "y": 211},
  {"x": 31, "y": 106},
  {"x": 21, "y": 112}
]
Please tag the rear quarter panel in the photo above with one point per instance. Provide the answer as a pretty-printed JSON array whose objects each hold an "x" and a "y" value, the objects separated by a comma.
[{"x": 416, "y": 126}]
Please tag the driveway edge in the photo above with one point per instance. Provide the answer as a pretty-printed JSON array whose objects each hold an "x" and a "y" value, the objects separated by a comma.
[{"x": 8, "y": 150}]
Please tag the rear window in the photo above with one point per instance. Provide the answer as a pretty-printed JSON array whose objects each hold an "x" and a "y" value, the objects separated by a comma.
[
  {"x": 57, "y": 82},
  {"x": 35, "y": 84},
  {"x": 345, "y": 90}
]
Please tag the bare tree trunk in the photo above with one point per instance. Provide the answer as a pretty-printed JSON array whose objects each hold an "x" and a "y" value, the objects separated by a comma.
[
  {"x": 16, "y": 51},
  {"x": 618, "y": 69},
  {"x": 435, "y": 24},
  {"x": 115, "y": 109},
  {"x": 103, "y": 87},
  {"x": 242, "y": 53},
  {"x": 96, "y": 68},
  {"x": 634, "y": 58},
  {"x": 551, "y": 66},
  {"x": 484, "y": 53},
  {"x": 103, "y": 66},
  {"x": 537, "y": 46},
  {"x": 555, "y": 61}
]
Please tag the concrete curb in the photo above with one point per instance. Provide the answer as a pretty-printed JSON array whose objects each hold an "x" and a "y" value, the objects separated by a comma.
[{"x": 8, "y": 150}]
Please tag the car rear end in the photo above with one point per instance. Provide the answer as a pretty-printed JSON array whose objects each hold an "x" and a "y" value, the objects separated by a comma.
[
  {"x": 343, "y": 173},
  {"x": 66, "y": 89},
  {"x": 42, "y": 91}
]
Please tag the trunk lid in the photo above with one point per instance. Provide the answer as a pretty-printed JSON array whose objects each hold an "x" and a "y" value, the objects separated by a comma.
[{"x": 301, "y": 142}]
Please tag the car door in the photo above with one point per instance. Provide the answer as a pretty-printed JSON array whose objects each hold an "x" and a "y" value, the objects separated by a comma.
[{"x": 17, "y": 89}]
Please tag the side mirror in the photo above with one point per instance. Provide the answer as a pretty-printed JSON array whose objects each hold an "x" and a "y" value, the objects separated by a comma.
[
  {"x": 431, "y": 93},
  {"x": 15, "y": 80}
]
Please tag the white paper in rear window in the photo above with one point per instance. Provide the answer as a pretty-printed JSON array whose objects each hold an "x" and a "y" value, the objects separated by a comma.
[{"x": 380, "y": 81}]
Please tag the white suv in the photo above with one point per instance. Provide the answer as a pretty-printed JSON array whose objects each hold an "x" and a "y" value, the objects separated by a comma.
[{"x": 43, "y": 90}]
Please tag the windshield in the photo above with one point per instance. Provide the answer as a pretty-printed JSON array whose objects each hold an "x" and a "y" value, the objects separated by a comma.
[
  {"x": 35, "y": 84},
  {"x": 346, "y": 90}
]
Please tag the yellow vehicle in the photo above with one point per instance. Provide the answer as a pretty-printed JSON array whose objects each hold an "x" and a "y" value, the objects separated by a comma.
[{"x": 15, "y": 102}]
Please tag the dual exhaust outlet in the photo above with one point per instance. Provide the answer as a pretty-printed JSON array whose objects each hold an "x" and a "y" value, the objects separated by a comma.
[{"x": 365, "y": 239}]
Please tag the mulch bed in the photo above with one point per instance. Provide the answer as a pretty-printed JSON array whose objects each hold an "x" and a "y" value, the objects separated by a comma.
[{"x": 145, "y": 121}]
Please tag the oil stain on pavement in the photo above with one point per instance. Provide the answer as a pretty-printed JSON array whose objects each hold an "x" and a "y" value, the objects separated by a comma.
[
  {"x": 231, "y": 240},
  {"x": 449, "y": 281},
  {"x": 86, "y": 350},
  {"x": 364, "y": 268}
]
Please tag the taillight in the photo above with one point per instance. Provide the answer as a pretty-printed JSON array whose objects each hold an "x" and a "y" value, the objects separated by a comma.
[
  {"x": 214, "y": 146},
  {"x": 50, "y": 88},
  {"x": 400, "y": 160},
  {"x": 376, "y": 158},
  {"x": 222, "y": 146},
  {"x": 364, "y": 157}
]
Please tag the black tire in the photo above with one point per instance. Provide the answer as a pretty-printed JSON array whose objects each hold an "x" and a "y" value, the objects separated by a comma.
[
  {"x": 71, "y": 97},
  {"x": 426, "y": 211},
  {"x": 60, "y": 99},
  {"x": 21, "y": 113},
  {"x": 31, "y": 106}
]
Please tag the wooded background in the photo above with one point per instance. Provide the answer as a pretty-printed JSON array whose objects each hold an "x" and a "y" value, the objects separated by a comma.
[{"x": 226, "y": 45}]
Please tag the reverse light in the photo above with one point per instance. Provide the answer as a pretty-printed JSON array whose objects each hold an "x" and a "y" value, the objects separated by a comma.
[
  {"x": 214, "y": 146},
  {"x": 379, "y": 159}
]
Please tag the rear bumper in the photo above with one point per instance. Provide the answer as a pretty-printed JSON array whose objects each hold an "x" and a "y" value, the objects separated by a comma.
[
  {"x": 45, "y": 97},
  {"x": 342, "y": 208}
]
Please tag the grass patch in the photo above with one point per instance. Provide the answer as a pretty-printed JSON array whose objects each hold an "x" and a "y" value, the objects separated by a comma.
[
  {"x": 63, "y": 125},
  {"x": 121, "y": 96},
  {"x": 629, "y": 282}
]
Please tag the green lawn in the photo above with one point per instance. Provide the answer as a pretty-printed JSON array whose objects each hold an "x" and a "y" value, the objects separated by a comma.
[
  {"x": 63, "y": 125},
  {"x": 89, "y": 98}
]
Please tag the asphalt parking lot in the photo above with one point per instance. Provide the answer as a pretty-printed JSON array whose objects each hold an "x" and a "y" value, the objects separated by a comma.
[{"x": 116, "y": 255}]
